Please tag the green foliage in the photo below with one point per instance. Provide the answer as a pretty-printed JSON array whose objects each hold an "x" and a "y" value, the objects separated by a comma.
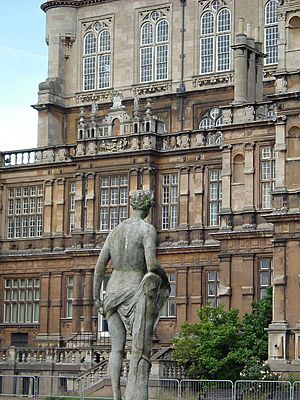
[{"x": 220, "y": 346}]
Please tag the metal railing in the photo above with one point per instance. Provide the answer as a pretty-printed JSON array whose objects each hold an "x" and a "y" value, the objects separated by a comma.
[{"x": 70, "y": 387}]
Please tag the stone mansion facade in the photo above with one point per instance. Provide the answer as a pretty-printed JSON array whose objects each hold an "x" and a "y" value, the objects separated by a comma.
[{"x": 188, "y": 98}]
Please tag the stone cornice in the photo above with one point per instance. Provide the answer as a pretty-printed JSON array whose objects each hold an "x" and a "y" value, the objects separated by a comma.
[{"x": 70, "y": 3}]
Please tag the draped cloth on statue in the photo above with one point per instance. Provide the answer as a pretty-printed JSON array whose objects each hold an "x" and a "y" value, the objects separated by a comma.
[
  {"x": 124, "y": 301},
  {"x": 139, "y": 310}
]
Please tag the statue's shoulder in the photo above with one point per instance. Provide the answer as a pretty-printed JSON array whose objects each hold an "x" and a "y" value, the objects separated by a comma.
[{"x": 149, "y": 229}]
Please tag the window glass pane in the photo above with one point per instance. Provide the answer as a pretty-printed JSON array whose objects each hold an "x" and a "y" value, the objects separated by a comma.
[
  {"x": 224, "y": 20},
  {"x": 104, "y": 41},
  {"x": 90, "y": 44},
  {"x": 206, "y": 51},
  {"x": 162, "y": 62},
  {"x": 223, "y": 52},
  {"x": 89, "y": 73},
  {"x": 146, "y": 64},
  {"x": 162, "y": 31},
  {"x": 146, "y": 33},
  {"x": 207, "y": 23}
]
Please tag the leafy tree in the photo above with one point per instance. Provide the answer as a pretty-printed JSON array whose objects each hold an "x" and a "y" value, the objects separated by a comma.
[{"x": 220, "y": 346}]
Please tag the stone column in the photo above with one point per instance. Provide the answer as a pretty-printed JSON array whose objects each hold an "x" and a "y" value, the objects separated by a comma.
[
  {"x": 251, "y": 81},
  {"x": 88, "y": 301},
  {"x": 90, "y": 202},
  {"x": 225, "y": 280},
  {"x": 77, "y": 302},
  {"x": 259, "y": 61},
  {"x": 196, "y": 202},
  {"x": 248, "y": 283},
  {"x": 44, "y": 304},
  {"x": 240, "y": 65},
  {"x": 280, "y": 153},
  {"x": 55, "y": 305},
  {"x": 182, "y": 296},
  {"x": 48, "y": 205}
]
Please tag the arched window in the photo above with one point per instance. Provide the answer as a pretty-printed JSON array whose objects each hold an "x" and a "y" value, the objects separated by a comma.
[
  {"x": 211, "y": 119},
  {"x": 271, "y": 32},
  {"x": 215, "y": 38},
  {"x": 154, "y": 48},
  {"x": 97, "y": 58}
]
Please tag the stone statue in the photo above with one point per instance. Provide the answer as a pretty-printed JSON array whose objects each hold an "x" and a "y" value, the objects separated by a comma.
[{"x": 136, "y": 291}]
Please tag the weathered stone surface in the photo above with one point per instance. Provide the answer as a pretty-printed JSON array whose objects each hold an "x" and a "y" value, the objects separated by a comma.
[{"x": 137, "y": 289}]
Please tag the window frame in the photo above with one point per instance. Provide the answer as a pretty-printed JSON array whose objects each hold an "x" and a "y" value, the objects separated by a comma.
[
  {"x": 166, "y": 311},
  {"x": 97, "y": 64},
  {"x": 268, "y": 27},
  {"x": 213, "y": 33},
  {"x": 111, "y": 197},
  {"x": 212, "y": 283},
  {"x": 24, "y": 212},
  {"x": 20, "y": 292},
  {"x": 153, "y": 46},
  {"x": 169, "y": 208},
  {"x": 218, "y": 200}
]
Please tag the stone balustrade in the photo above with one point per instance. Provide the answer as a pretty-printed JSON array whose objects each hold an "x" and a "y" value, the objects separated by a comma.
[{"x": 67, "y": 356}]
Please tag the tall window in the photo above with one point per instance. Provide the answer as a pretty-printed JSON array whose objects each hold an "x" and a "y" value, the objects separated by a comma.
[
  {"x": 267, "y": 175},
  {"x": 113, "y": 201},
  {"x": 215, "y": 38},
  {"x": 72, "y": 206},
  {"x": 25, "y": 212},
  {"x": 154, "y": 48},
  {"x": 213, "y": 288},
  {"x": 169, "y": 309},
  {"x": 70, "y": 293},
  {"x": 265, "y": 275},
  {"x": 271, "y": 32},
  {"x": 170, "y": 201},
  {"x": 21, "y": 300},
  {"x": 97, "y": 57},
  {"x": 215, "y": 196}
]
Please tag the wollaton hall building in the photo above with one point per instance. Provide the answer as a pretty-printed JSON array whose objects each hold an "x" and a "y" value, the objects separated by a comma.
[{"x": 184, "y": 97}]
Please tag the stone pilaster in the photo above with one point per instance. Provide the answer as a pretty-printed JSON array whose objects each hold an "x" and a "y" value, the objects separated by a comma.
[
  {"x": 148, "y": 183},
  {"x": 48, "y": 206},
  {"x": 226, "y": 187},
  {"x": 2, "y": 202},
  {"x": 55, "y": 305},
  {"x": 133, "y": 182},
  {"x": 44, "y": 304},
  {"x": 195, "y": 297},
  {"x": 90, "y": 202},
  {"x": 196, "y": 216},
  {"x": 282, "y": 40},
  {"x": 88, "y": 301},
  {"x": 182, "y": 296},
  {"x": 251, "y": 81},
  {"x": 59, "y": 206},
  {"x": 184, "y": 190},
  {"x": 248, "y": 284},
  {"x": 78, "y": 202},
  {"x": 77, "y": 302},
  {"x": 249, "y": 177},
  {"x": 280, "y": 153},
  {"x": 225, "y": 280}
]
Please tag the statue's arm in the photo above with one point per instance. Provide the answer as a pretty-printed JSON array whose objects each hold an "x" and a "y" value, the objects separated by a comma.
[
  {"x": 153, "y": 265},
  {"x": 99, "y": 274}
]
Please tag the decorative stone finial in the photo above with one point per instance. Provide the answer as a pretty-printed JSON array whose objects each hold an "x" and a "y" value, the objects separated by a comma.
[
  {"x": 149, "y": 107},
  {"x": 117, "y": 101}
]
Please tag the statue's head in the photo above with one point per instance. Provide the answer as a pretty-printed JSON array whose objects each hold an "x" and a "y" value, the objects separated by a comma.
[{"x": 142, "y": 200}]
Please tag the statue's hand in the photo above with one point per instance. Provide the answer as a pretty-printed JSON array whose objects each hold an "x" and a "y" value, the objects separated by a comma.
[{"x": 99, "y": 305}]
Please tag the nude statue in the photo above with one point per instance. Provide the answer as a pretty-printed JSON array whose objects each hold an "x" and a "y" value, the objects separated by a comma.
[{"x": 136, "y": 291}]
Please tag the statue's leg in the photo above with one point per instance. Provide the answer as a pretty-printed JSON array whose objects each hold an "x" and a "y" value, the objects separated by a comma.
[
  {"x": 118, "y": 337},
  {"x": 146, "y": 314}
]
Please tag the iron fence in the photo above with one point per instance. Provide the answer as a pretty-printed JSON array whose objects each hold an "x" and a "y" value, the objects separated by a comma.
[{"x": 73, "y": 388}]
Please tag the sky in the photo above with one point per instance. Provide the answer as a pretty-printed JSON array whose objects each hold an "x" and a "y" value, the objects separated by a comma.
[{"x": 23, "y": 65}]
